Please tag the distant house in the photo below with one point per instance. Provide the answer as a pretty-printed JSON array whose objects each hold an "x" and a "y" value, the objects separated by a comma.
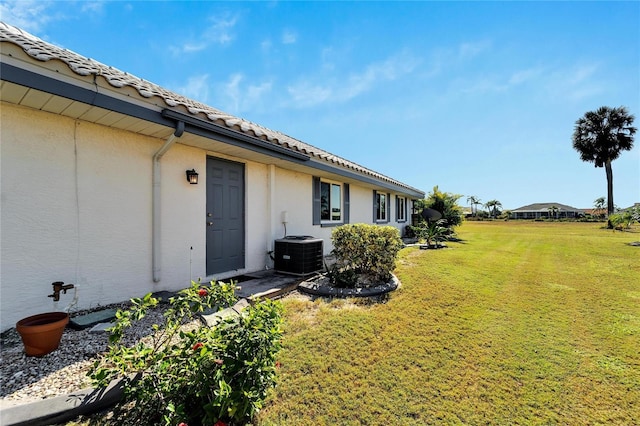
[
  {"x": 634, "y": 206},
  {"x": 546, "y": 211},
  {"x": 98, "y": 185}
]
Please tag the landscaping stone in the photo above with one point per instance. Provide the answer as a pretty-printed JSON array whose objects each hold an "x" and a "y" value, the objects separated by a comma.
[
  {"x": 319, "y": 286},
  {"x": 211, "y": 319},
  {"x": 101, "y": 327},
  {"x": 81, "y": 322}
]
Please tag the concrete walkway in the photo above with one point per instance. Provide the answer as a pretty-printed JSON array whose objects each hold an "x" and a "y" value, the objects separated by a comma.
[{"x": 268, "y": 283}]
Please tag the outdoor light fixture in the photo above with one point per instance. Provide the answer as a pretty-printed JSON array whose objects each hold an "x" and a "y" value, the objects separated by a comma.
[{"x": 192, "y": 177}]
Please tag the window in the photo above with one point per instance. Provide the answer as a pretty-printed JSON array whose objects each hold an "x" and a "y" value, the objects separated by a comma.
[
  {"x": 381, "y": 207},
  {"x": 330, "y": 202},
  {"x": 401, "y": 209}
]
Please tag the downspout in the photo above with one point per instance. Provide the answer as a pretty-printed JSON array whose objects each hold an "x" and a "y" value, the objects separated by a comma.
[
  {"x": 271, "y": 206},
  {"x": 155, "y": 238}
]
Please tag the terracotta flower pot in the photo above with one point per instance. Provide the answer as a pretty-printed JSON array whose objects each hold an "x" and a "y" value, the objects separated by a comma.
[{"x": 41, "y": 333}]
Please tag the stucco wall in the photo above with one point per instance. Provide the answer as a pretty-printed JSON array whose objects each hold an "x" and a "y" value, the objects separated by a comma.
[
  {"x": 77, "y": 207},
  {"x": 294, "y": 194}
]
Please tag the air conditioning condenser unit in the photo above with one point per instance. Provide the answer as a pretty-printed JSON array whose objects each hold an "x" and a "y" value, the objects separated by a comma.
[{"x": 298, "y": 255}]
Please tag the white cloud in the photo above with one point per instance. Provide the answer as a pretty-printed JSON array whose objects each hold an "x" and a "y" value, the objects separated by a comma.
[
  {"x": 232, "y": 91},
  {"x": 241, "y": 98},
  {"x": 573, "y": 83},
  {"x": 197, "y": 87},
  {"x": 576, "y": 83},
  {"x": 499, "y": 82},
  {"x": 193, "y": 47},
  {"x": 580, "y": 74},
  {"x": 524, "y": 76},
  {"x": 472, "y": 49},
  {"x": 306, "y": 93},
  {"x": 219, "y": 31},
  {"x": 92, "y": 7},
  {"x": 256, "y": 94},
  {"x": 30, "y": 15},
  {"x": 289, "y": 37}
]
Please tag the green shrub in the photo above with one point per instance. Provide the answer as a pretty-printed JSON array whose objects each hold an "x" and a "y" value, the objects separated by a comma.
[
  {"x": 198, "y": 375},
  {"x": 369, "y": 250},
  {"x": 433, "y": 232},
  {"x": 623, "y": 219}
]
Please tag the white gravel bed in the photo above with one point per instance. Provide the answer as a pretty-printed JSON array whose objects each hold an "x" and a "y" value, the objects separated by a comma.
[
  {"x": 25, "y": 379},
  {"x": 63, "y": 371}
]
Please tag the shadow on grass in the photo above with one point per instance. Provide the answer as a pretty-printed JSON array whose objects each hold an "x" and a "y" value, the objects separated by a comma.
[{"x": 457, "y": 240}]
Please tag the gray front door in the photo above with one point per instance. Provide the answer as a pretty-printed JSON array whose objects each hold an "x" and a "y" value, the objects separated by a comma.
[{"x": 225, "y": 216}]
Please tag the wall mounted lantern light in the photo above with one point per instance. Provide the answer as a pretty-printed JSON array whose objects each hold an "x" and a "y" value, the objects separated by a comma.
[{"x": 192, "y": 177}]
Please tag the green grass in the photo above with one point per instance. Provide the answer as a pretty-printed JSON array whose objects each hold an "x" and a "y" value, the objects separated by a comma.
[{"x": 522, "y": 323}]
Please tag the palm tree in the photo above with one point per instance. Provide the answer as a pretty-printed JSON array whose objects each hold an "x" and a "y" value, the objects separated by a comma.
[
  {"x": 493, "y": 206},
  {"x": 600, "y": 136},
  {"x": 478, "y": 203},
  {"x": 598, "y": 205},
  {"x": 473, "y": 201},
  {"x": 552, "y": 211}
]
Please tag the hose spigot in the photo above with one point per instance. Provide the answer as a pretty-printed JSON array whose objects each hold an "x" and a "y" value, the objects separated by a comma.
[{"x": 58, "y": 287}]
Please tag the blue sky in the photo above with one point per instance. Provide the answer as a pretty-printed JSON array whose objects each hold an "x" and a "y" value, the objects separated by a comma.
[{"x": 479, "y": 98}]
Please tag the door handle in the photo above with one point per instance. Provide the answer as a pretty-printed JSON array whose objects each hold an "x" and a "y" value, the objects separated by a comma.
[{"x": 209, "y": 223}]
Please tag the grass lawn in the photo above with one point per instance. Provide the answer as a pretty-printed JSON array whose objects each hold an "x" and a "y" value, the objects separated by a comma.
[{"x": 521, "y": 323}]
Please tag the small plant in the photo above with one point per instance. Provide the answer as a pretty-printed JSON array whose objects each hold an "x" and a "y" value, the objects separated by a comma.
[
  {"x": 193, "y": 374},
  {"x": 433, "y": 232},
  {"x": 624, "y": 219},
  {"x": 365, "y": 250}
]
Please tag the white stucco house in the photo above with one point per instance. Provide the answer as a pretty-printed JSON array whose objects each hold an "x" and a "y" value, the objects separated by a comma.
[
  {"x": 546, "y": 211},
  {"x": 95, "y": 189}
]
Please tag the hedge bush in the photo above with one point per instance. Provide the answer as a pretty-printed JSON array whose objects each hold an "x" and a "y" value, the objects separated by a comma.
[{"x": 362, "y": 249}]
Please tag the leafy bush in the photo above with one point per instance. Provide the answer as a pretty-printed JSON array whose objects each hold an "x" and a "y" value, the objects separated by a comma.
[
  {"x": 624, "y": 219},
  {"x": 433, "y": 232},
  {"x": 194, "y": 374},
  {"x": 364, "y": 249}
]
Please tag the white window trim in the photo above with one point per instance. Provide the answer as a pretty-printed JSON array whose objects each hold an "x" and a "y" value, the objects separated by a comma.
[
  {"x": 317, "y": 202},
  {"x": 331, "y": 183},
  {"x": 401, "y": 206},
  {"x": 376, "y": 203}
]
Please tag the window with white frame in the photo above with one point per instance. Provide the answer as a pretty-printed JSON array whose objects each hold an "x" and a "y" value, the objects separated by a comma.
[
  {"x": 330, "y": 202},
  {"x": 381, "y": 207},
  {"x": 401, "y": 209}
]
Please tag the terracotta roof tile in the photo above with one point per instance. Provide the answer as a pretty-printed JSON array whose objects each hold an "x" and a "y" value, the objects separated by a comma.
[{"x": 43, "y": 51}]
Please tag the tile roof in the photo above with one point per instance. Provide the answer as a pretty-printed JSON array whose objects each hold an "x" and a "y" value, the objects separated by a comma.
[{"x": 42, "y": 51}]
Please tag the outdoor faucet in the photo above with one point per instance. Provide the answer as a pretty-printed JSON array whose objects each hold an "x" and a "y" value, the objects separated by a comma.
[{"x": 59, "y": 286}]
